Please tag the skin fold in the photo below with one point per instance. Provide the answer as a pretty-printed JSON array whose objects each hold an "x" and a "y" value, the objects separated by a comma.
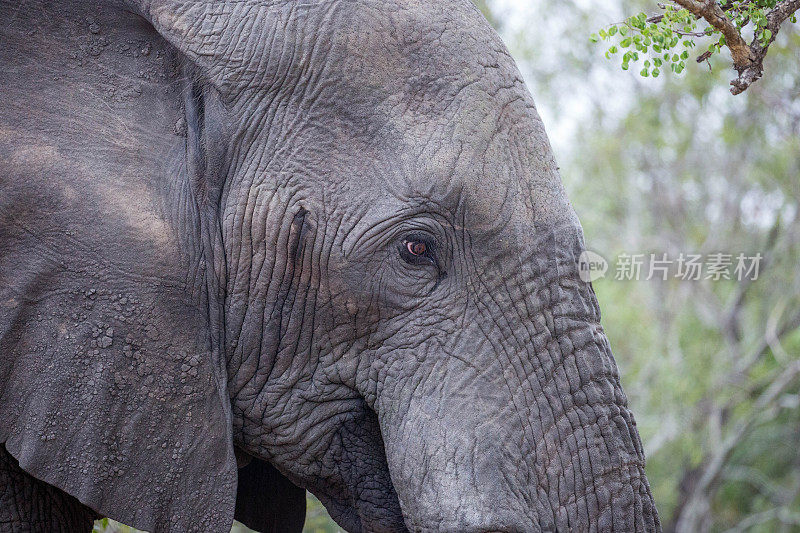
[{"x": 324, "y": 240}]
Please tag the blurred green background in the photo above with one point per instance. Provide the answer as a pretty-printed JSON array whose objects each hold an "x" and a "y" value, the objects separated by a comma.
[{"x": 678, "y": 165}]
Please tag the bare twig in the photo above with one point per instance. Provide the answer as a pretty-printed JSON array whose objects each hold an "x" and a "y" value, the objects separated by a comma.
[
  {"x": 655, "y": 19},
  {"x": 783, "y": 515},
  {"x": 704, "y": 56},
  {"x": 763, "y": 407}
]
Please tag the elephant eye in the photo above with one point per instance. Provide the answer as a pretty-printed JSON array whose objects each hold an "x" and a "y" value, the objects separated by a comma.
[
  {"x": 416, "y": 247},
  {"x": 417, "y": 250}
]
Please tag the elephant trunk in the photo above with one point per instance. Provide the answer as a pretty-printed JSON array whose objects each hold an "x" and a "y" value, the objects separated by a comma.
[
  {"x": 523, "y": 427},
  {"x": 557, "y": 450}
]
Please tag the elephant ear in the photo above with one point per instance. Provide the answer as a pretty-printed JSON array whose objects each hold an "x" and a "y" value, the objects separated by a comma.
[
  {"x": 113, "y": 387},
  {"x": 238, "y": 45}
]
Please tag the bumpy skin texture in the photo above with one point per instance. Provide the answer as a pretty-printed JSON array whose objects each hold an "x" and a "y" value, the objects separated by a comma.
[
  {"x": 206, "y": 209},
  {"x": 28, "y": 505}
]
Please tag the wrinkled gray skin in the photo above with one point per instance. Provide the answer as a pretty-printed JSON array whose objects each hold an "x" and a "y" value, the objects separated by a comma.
[{"x": 203, "y": 207}]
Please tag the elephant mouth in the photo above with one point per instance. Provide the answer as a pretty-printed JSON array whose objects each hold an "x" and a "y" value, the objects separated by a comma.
[{"x": 362, "y": 497}]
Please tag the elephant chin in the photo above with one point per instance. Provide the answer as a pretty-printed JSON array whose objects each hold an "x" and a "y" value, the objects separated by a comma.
[
  {"x": 363, "y": 516},
  {"x": 361, "y": 497}
]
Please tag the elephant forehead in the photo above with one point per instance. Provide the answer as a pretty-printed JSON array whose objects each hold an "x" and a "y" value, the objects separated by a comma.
[
  {"x": 489, "y": 170},
  {"x": 415, "y": 98},
  {"x": 497, "y": 181},
  {"x": 379, "y": 47},
  {"x": 450, "y": 113},
  {"x": 410, "y": 43}
]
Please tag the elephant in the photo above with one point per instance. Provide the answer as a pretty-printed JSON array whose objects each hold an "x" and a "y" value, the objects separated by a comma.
[{"x": 254, "y": 248}]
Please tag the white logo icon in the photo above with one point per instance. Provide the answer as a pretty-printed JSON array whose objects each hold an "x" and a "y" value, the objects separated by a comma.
[{"x": 591, "y": 266}]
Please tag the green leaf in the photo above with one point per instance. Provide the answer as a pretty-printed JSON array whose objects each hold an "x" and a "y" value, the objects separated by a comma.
[
  {"x": 643, "y": 73},
  {"x": 594, "y": 38},
  {"x": 625, "y": 43},
  {"x": 612, "y": 31},
  {"x": 656, "y": 72}
]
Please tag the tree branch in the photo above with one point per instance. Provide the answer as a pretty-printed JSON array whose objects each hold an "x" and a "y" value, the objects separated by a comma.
[
  {"x": 748, "y": 60},
  {"x": 781, "y": 12},
  {"x": 714, "y": 461},
  {"x": 752, "y": 72},
  {"x": 711, "y": 11}
]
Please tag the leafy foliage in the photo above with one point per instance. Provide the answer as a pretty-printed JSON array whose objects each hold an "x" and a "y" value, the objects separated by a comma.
[
  {"x": 659, "y": 43},
  {"x": 667, "y": 38}
]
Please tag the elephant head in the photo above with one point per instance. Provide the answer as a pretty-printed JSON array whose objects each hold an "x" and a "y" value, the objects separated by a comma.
[{"x": 330, "y": 234}]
